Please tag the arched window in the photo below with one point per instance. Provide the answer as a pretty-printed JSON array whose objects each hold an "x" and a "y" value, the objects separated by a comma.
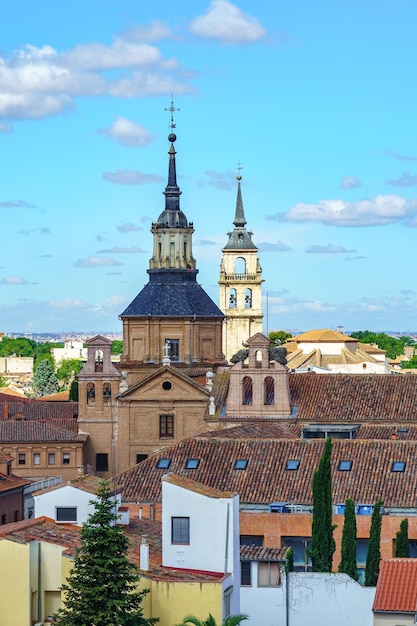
[
  {"x": 107, "y": 391},
  {"x": 247, "y": 390},
  {"x": 240, "y": 266},
  {"x": 258, "y": 359},
  {"x": 269, "y": 391},
  {"x": 232, "y": 298},
  {"x": 248, "y": 298},
  {"x": 98, "y": 361},
  {"x": 91, "y": 392}
]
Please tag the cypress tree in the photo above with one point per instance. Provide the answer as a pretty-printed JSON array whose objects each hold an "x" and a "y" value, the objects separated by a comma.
[
  {"x": 44, "y": 381},
  {"x": 101, "y": 589},
  {"x": 348, "y": 562},
  {"x": 322, "y": 541},
  {"x": 402, "y": 547},
  {"x": 373, "y": 557}
]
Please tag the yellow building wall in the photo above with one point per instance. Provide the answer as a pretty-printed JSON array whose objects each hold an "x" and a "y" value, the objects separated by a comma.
[
  {"x": 15, "y": 595},
  {"x": 172, "y": 601}
]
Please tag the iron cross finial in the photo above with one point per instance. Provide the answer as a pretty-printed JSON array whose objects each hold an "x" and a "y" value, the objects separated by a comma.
[{"x": 172, "y": 110}]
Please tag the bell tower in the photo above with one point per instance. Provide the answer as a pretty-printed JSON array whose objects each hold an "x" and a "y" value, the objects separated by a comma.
[{"x": 240, "y": 284}]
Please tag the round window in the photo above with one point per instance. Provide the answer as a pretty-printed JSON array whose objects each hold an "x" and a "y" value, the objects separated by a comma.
[{"x": 166, "y": 385}]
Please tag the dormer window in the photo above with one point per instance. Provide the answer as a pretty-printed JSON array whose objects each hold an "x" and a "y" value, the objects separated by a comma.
[
  {"x": 292, "y": 464},
  {"x": 345, "y": 466},
  {"x": 192, "y": 463},
  {"x": 241, "y": 464},
  {"x": 398, "y": 466},
  {"x": 163, "y": 463}
]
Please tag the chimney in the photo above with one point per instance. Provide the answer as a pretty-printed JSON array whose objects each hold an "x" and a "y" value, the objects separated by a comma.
[
  {"x": 144, "y": 555},
  {"x": 5, "y": 411}
]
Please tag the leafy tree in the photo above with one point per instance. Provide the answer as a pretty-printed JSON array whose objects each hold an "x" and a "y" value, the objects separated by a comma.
[
  {"x": 402, "y": 547},
  {"x": 410, "y": 364},
  {"x": 3, "y": 381},
  {"x": 43, "y": 350},
  {"x": 348, "y": 562},
  {"x": 44, "y": 381},
  {"x": 19, "y": 346},
  {"x": 393, "y": 346},
  {"x": 232, "y": 620},
  {"x": 278, "y": 337},
  {"x": 290, "y": 560},
  {"x": 68, "y": 369},
  {"x": 322, "y": 541},
  {"x": 373, "y": 557},
  {"x": 117, "y": 346},
  {"x": 101, "y": 589},
  {"x": 73, "y": 392}
]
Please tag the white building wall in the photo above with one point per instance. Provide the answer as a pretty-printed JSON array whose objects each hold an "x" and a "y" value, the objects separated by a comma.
[
  {"x": 213, "y": 530},
  {"x": 47, "y": 503},
  {"x": 314, "y": 599},
  {"x": 71, "y": 350}
]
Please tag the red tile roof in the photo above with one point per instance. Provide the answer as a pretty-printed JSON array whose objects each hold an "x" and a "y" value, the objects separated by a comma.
[
  {"x": 37, "y": 409},
  {"x": 266, "y": 479},
  {"x": 35, "y": 431},
  {"x": 259, "y": 553},
  {"x": 396, "y": 590}
]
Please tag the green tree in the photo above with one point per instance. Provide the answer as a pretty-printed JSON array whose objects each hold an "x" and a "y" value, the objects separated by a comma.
[
  {"x": 73, "y": 392},
  {"x": 348, "y": 561},
  {"x": 322, "y": 541},
  {"x": 117, "y": 346},
  {"x": 393, "y": 346},
  {"x": 68, "y": 369},
  {"x": 232, "y": 620},
  {"x": 101, "y": 589},
  {"x": 402, "y": 547},
  {"x": 290, "y": 560},
  {"x": 373, "y": 557},
  {"x": 19, "y": 346},
  {"x": 410, "y": 364},
  {"x": 3, "y": 381},
  {"x": 44, "y": 381},
  {"x": 278, "y": 337}
]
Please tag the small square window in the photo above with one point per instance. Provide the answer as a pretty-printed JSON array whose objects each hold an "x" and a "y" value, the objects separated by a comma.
[
  {"x": 293, "y": 464},
  {"x": 51, "y": 458},
  {"x": 36, "y": 458},
  {"x": 345, "y": 466},
  {"x": 192, "y": 464},
  {"x": 22, "y": 459},
  {"x": 66, "y": 514},
  {"x": 241, "y": 464},
  {"x": 398, "y": 466},
  {"x": 66, "y": 458},
  {"x": 163, "y": 463}
]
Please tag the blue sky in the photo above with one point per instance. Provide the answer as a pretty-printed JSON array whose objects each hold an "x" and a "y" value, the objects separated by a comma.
[{"x": 317, "y": 100}]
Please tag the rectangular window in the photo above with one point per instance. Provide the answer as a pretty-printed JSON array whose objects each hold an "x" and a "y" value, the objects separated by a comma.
[
  {"x": 241, "y": 464},
  {"x": 301, "y": 547},
  {"x": 36, "y": 458},
  {"x": 51, "y": 458},
  {"x": 66, "y": 514},
  {"x": 166, "y": 426},
  {"x": 140, "y": 458},
  {"x": 245, "y": 574},
  {"x": 163, "y": 463},
  {"x": 192, "y": 463},
  {"x": 174, "y": 349},
  {"x": 269, "y": 574},
  {"x": 180, "y": 530},
  {"x": 398, "y": 466},
  {"x": 66, "y": 458},
  {"x": 3, "y": 518},
  {"x": 345, "y": 466},
  {"x": 361, "y": 554},
  {"x": 22, "y": 458},
  {"x": 293, "y": 464},
  {"x": 102, "y": 464},
  {"x": 252, "y": 540}
]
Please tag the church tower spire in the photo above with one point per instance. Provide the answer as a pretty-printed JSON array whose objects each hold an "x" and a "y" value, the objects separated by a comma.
[
  {"x": 240, "y": 283},
  {"x": 172, "y": 309}
]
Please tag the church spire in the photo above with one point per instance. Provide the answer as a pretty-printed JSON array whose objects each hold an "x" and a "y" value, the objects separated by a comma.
[{"x": 240, "y": 221}]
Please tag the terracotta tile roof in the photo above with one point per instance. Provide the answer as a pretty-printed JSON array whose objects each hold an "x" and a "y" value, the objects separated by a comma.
[
  {"x": 192, "y": 485},
  {"x": 60, "y": 396},
  {"x": 37, "y": 409},
  {"x": 259, "y": 553},
  {"x": 266, "y": 479},
  {"x": 8, "y": 483},
  {"x": 86, "y": 483},
  {"x": 35, "y": 431},
  {"x": 325, "y": 335},
  {"x": 391, "y": 431},
  {"x": 7, "y": 393},
  {"x": 42, "y": 529},
  {"x": 396, "y": 590},
  {"x": 257, "y": 431}
]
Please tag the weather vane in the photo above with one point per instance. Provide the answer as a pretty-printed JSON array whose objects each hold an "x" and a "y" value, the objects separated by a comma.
[
  {"x": 239, "y": 169},
  {"x": 172, "y": 110}
]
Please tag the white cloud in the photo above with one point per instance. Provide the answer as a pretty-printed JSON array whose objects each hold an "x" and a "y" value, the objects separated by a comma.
[
  {"x": 131, "y": 177},
  {"x": 40, "y": 82},
  {"x": 400, "y": 157},
  {"x": 155, "y": 31},
  {"x": 6, "y": 128},
  {"x": 278, "y": 246},
  {"x": 128, "y": 228},
  {"x": 379, "y": 210},
  {"x": 18, "y": 204},
  {"x": 128, "y": 133},
  {"x": 13, "y": 280},
  {"x": 329, "y": 249},
  {"x": 350, "y": 182},
  {"x": 225, "y": 22},
  {"x": 120, "y": 250},
  {"x": 67, "y": 303},
  {"x": 406, "y": 180},
  {"x": 96, "y": 261}
]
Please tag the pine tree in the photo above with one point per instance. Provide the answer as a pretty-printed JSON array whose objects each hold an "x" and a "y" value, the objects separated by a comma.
[
  {"x": 101, "y": 589},
  {"x": 402, "y": 547},
  {"x": 373, "y": 557},
  {"x": 322, "y": 541},
  {"x": 348, "y": 562},
  {"x": 44, "y": 380}
]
